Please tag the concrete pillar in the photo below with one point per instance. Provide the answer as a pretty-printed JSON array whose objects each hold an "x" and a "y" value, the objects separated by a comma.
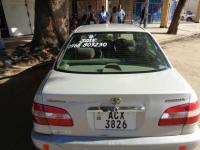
[
  {"x": 197, "y": 20},
  {"x": 106, "y": 5},
  {"x": 165, "y": 13}
]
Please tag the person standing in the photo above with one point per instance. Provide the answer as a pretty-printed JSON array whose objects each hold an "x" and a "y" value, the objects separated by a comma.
[
  {"x": 91, "y": 19},
  {"x": 103, "y": 15},
  {"x": 121, "y": 14},
  {"x": 83, "y": 20},
  {"x": 74, "y": 23},
  {"x": 142, "y": 16},
  {"x": 114, "y": 15},
  {"x": 91, "y": 11}
]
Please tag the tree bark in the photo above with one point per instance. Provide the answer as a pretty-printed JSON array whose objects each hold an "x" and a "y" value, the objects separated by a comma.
[
  {"x": 173, "y": 28},
  {"x": 50, "y": 23},
  {"x": 197, "y": 19},
  {"x": 165, "y": 13}
]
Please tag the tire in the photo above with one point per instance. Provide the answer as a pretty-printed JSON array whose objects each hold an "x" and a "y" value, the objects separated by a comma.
[
  {"x": 189, "y": 19},
  {"x": 182, "y": 18}
]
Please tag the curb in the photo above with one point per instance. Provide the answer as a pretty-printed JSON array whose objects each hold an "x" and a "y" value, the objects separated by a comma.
[{"x": 184, "y": 37}]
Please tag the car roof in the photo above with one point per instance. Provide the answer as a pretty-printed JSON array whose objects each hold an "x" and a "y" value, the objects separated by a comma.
[{"x": 109, "y": 28}]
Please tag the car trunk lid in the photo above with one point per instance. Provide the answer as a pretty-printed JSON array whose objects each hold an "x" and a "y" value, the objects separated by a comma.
[{"x": 143, "y": 98}]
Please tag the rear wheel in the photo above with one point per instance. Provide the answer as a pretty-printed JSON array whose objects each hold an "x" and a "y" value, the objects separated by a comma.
[
  {"x": 182, "y": 18},
  {"x": 189, "y": 19}
]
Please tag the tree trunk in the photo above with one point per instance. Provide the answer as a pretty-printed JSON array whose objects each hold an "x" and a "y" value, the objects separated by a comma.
[
  {"x": 165, "y": 13},
  {"x": 50, "y": 23},
  {"x": 173, "y": 28},
  {"x": 197, "y": 19}
]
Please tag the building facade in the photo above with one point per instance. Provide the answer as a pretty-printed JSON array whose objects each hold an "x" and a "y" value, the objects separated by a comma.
[
  {"x": 191, "y": 5},
  {"x": 17, "y": 16},
  {"x": 132, "y": 8}
]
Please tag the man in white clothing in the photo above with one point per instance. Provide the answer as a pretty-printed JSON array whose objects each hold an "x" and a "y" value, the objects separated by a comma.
[
  {"x": 103, "y": 16},
  {"x": 121, "y": 14}
]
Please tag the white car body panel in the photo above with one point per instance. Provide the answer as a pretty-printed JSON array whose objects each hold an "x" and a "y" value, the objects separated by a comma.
[
  {"x": 79, "y": 92},
  {"x": 162, "y": 82}
]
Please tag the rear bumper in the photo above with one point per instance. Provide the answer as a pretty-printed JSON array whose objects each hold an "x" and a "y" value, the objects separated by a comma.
[{"x": 61, "y": 142}]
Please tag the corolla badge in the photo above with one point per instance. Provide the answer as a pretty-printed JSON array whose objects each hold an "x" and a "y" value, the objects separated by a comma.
[{"x": 116, "y": 101}]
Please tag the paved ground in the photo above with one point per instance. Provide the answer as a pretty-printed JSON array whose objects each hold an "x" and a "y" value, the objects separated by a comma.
[{"x": 185, "y": 29}]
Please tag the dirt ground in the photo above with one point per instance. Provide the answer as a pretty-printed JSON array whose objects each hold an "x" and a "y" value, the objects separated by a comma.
[
  {"x": 185, "y": 57},
  {"x": 17, "y": 93}
]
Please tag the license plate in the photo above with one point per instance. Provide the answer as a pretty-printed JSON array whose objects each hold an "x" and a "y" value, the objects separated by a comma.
[{"x": 115, "y": 120}]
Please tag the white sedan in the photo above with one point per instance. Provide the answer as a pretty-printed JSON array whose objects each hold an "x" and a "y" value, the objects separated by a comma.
[
  {"x": 188, "y": 16},
  {"x": 112, "y": 87}
]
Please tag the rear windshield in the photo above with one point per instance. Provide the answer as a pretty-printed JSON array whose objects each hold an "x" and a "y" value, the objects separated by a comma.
[{"x": 111, "y": 53}]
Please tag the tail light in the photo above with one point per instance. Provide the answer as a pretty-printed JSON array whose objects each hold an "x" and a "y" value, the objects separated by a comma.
[
  {"x": 180, "y": 115},
  {"x": 49, "y": 115}
]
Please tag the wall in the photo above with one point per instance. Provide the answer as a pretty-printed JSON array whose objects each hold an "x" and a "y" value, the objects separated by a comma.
[
  {"x": 82, "y": 6},
  {"x": 191, "y": 5},
  {"x": 16, "y": 16},
  {"x": 128, "y": 6}
]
